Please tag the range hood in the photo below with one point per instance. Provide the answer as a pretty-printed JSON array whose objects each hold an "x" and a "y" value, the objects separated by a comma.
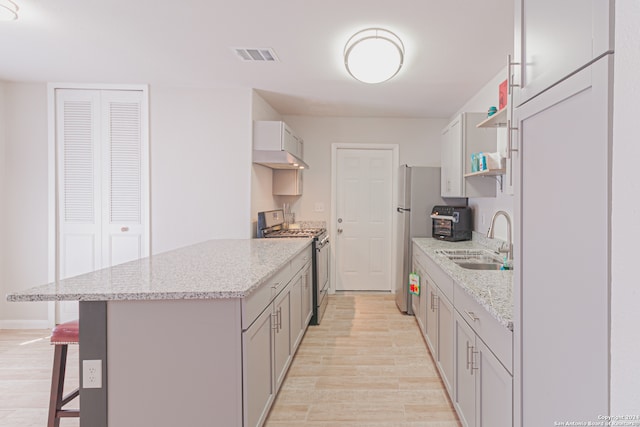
[{"x": 278, "y": 159}]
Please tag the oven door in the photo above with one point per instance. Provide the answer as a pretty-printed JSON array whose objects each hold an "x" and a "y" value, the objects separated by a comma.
[
  {"x": 442, "y": 227},
  {"x": 323, "y": 264},
  {"x": 321, "y": 279}
]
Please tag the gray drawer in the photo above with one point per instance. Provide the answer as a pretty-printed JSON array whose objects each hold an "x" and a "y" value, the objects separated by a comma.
[
  {"x": 259, "y": 299},
  {"x": 301, "y": 260},
  {"x": 496, "y": 336}
]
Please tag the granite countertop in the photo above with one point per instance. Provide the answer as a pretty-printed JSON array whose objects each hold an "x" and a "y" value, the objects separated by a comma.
[
  {"x": 491, "y": 289},
  {"x": 208, "y": 270}
]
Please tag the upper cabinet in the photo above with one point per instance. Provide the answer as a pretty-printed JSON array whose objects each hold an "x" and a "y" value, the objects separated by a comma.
[
  {"x": 555, "y": 39},
  {"x": 287, "y": 182},
  {"x": 459, "y": 139},
  {"x": 275, "y": 145}
]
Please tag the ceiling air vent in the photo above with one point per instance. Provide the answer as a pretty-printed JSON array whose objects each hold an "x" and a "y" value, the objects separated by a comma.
[{"x": 261, "y": 54}]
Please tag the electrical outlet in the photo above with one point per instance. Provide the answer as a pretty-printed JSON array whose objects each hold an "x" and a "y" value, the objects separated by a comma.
[
  {"x": 319, "y": 207},
  {"x": 482, "y": 219},
  {"x": 92, "y": 374}
]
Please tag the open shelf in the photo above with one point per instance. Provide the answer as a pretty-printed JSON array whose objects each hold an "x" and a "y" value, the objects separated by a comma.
[
  {"x": 488, "y": 172},
  {"x": 498, "y": 120}
]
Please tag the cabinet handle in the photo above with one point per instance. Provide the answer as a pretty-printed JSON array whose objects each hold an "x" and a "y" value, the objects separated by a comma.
[
  {"x": 510, "y": 148},
  {"x": 510, "y": 83},
  {"x": 274, "y": 288},
  {"x": 471, "y": 315},
  {"x": 279, "y": 319},
  {"x": 473, "y": 360}
]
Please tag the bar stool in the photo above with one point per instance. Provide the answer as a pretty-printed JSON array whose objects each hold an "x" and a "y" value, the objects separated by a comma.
[{"x": 62, "y": 335}]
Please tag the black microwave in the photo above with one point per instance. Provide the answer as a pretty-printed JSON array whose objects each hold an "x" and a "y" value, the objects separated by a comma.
[{"x": 451, "y": 223}]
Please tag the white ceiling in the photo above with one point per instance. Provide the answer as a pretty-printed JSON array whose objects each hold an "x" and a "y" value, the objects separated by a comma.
[{"x": 453, "y": 47}]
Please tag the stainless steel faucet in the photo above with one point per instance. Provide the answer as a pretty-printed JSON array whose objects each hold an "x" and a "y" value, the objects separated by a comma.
[{"x": 509, "y": 249}]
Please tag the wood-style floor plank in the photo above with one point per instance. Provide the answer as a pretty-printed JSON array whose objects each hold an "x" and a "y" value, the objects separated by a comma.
[
  {"x": 26, "y": 359},
  {"x": 365, "y": 365}
]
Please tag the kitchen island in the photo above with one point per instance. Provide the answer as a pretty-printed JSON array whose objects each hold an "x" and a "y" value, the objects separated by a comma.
[{"x": 180, "y": 335}]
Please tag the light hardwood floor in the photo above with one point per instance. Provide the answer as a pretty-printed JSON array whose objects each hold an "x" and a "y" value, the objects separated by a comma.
[
  {"x": 26, "y": 359},
  {"x": 366, "y": 365}
]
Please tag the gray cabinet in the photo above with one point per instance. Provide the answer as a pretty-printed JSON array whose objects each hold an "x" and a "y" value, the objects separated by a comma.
[
  {"x": 472, "y": 350},
  {"x": 258, "y": 381},
  {"x": 565, "y": 304},
  {"x": 494, "y": 389},
  {"x": 418, "y": 301},
  {"x": 483, "y": 393},
  {"x": 277, "y": 315},
  {"x": 301, "y": 305},
  {"x": 445, "y": 340},
  {"x": 287, "y": 182},
  {"x": 460, "y": 139},
  {"x": 297, "y": 327},
  {"x": 440, "y": 332},
  {"x": 464, "y": 397},
  {"x": 282, "y": 337},
  {"x": 553, "y": 39},
  {"x": 431, "y": 327},
  {"x": 435, "y": 315},
  {"x": 276, "y": 135}
]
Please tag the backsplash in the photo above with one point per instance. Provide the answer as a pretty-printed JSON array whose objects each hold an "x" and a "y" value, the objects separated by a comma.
[
  {"x": 493, "y": 244},
  {"x": 312, "y": 224}
]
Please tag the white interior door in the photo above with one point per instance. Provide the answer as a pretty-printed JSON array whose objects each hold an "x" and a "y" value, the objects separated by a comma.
[
  {"x": 364, "y": 207},
  {"x": 102, "y": 170}
]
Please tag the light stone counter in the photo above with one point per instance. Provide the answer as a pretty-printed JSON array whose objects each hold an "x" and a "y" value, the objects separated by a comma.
[
  {"x": 491, "y": 289},
  {"x": 209, "y": 270}
]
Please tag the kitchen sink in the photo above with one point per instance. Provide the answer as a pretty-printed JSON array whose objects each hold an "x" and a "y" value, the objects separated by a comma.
[
  {"x": 474, "y": 259},
  {"x": 480, "y": 265}
]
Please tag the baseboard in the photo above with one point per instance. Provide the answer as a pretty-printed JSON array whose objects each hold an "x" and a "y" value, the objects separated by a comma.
[{"x": 24, "y": 324}]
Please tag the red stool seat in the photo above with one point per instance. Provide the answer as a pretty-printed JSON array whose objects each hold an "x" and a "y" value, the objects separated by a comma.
[
  {"x": 61, "y": 336},
  {"x": 66, "y": 333}
]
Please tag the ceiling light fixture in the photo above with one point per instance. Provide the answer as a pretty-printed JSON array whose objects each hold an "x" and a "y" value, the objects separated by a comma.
[
  {"x": 373, "y": 55},
  {"x": 8, "y": 10}
]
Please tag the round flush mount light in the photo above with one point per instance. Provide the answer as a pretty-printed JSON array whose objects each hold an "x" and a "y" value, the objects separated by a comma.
[
  {"x": 373, "y": 55},
  {"x": 8, "y": 10}
]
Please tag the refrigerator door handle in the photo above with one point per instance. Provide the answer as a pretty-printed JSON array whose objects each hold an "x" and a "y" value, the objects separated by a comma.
[{"x": 403, "y": 210}]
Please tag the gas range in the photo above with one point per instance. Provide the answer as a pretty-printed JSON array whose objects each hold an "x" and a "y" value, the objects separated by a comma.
[
  {"x": 271, "y": 225},
  {"x": 295, "y": 232}
]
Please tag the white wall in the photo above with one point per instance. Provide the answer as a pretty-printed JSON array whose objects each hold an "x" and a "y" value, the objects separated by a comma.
[
  {"x": 625, "y": 284},
  {"x": 485, "y": 207},
  {"x": 200, "y": 165},
  {"x": 262, "y": 198},
  {"x": 418, "y": 139},
  {"x": 25, "y": 202}
]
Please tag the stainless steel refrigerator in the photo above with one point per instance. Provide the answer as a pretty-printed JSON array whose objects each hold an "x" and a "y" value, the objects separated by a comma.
[{"x": 418, "y": 193}]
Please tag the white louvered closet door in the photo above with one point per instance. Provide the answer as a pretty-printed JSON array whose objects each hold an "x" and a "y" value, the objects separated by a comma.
[
  {"x": 102, "y": 182},
  {"x": 79, "y": 183},
  {"x": 124, "y": 178}
]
